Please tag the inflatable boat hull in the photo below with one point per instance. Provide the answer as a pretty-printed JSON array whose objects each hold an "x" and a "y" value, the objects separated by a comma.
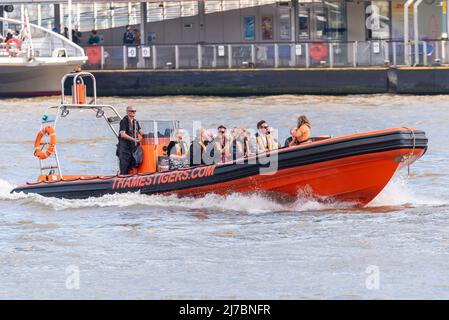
[{"x": 352, "y": 168}]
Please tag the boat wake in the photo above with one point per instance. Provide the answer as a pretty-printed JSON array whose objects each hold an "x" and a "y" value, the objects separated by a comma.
[
  {"x": 399, "y": 192},
  {"x": 396, "y": 196}
]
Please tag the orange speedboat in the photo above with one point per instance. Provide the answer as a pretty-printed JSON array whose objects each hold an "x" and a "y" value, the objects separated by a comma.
[{"x": 353, "y": 168}]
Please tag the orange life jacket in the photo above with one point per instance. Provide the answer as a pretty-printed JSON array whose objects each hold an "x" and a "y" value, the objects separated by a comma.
[
  {"x": 262, "y": 146},
  {"x": 179, "y": 149}
]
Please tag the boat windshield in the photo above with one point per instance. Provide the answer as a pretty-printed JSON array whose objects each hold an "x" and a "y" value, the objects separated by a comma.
[{"x": 163, "y": 128}]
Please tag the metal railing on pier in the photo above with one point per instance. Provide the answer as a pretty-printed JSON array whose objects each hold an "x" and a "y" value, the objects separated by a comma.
[{"x": 269, "y": 55}]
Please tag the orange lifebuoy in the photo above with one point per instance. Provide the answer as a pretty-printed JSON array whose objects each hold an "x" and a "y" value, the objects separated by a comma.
[
  {"x": 38, "y": 151},
  {"x": 8, "y": 46},
  {"x": 94, "y": 55},
  {"x": 319, "y": 51}
]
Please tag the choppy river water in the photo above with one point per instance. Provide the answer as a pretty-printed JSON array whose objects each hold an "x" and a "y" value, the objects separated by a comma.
[{"x": 240, "y": 246}]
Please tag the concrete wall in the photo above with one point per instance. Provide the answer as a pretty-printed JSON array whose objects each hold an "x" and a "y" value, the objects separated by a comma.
[
  {"x": 243, "y": 82},
  {"x": 432, "y": 80},
  {"x": 355, "y": 11}
]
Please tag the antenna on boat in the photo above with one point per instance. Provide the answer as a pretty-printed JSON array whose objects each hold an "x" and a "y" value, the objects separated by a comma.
[
  {"x": 27, "y": 28},
  {"x": 79, "y": 101},
  {"x": 79, "y": 90}
]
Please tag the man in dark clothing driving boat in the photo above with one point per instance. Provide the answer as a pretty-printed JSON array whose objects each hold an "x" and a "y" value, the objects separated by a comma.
[{"x": 128, "y": 140}]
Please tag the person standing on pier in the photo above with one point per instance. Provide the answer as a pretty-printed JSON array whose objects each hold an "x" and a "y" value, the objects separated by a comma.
[{"x": 128, "y": 36}]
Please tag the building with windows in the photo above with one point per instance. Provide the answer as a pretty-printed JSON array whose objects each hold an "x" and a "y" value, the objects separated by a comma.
[
  {"x": 225, "y": 21},
  {"x": 260, "y": 33}
]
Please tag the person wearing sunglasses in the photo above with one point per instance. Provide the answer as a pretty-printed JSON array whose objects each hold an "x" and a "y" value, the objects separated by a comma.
[
  {"x": 222, "y": 145},
  {"x": 264, "y": 140},
  {"x": 241, "y": 146},
  {"x": 128, "y": 140}
]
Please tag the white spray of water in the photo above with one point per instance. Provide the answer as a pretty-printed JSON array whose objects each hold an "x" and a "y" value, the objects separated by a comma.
[
  {"x": 397, "y": 193},
  {"x": 251, "y": 203},
  {"x": 400, "y": 192}
]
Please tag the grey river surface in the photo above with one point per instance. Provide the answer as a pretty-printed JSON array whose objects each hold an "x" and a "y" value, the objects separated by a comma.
[{"x": 241, "y": 246}]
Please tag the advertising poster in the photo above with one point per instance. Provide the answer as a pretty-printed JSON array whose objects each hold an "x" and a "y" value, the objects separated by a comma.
[
  {"x": 284, "y": 25},
  {"x": 267, "y": 28},
  {"x": 249, "y": 28}
]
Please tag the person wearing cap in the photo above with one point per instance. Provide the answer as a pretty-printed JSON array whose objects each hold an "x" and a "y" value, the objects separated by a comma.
[{"x": 128, "y": 140}]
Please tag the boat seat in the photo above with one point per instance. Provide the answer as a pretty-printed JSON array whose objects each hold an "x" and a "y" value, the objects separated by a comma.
[
  {"x": 114, "y": 119},
  {"x": 319, "y": 138}
]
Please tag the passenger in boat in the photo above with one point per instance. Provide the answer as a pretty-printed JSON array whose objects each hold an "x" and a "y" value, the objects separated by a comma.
[
  {"x": 302, "y": 132},
  {"x": 222, "y": 145},
  {"x": 178, "y": 151},
  {"x": 234, "y": 134},
  {"x": 241, "y": 147},
  {"x": 264, "y": 140},
  {"x": 198, "y": 147},
  {"x": 290, "y": 139},
  {"x": 128, "y": 140}
]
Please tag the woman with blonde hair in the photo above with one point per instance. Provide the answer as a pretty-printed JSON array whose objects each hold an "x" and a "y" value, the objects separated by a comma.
[
  {"x": 178, "y": 150},
  {"x": 303, "y": 131},
  {"x": 241, "y": 144}
]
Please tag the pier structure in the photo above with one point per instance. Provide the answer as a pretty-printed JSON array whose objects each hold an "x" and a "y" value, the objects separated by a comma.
[{"x": 233, "y": 43}]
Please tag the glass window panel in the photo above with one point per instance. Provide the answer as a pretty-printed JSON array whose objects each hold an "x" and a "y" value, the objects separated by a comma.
[
  {"x": 230, "y": 4},
  {"x": 264, "y": 2},
  {"x": 211, "y": 6},
  {"x": 86, "y": 22},
  {"x": 103, "y": 16},
  {"x": 189, "y": 8},
  {"x": 65, "y": 16},
  {"x": 32, "y": 12},
  {"x": 155, "y": 11},
  {"x": 121, "y": 17},
  {"x": 303, "y": 23},
  {"x": 284, "y": 24},
  {"x": 248, "y": 3},
  {"x": 172, "y": 10},
  {"x": 336, "y": 20},
  {"x": 134, "y": 14},
  {"x": 47, "y": 16}
]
